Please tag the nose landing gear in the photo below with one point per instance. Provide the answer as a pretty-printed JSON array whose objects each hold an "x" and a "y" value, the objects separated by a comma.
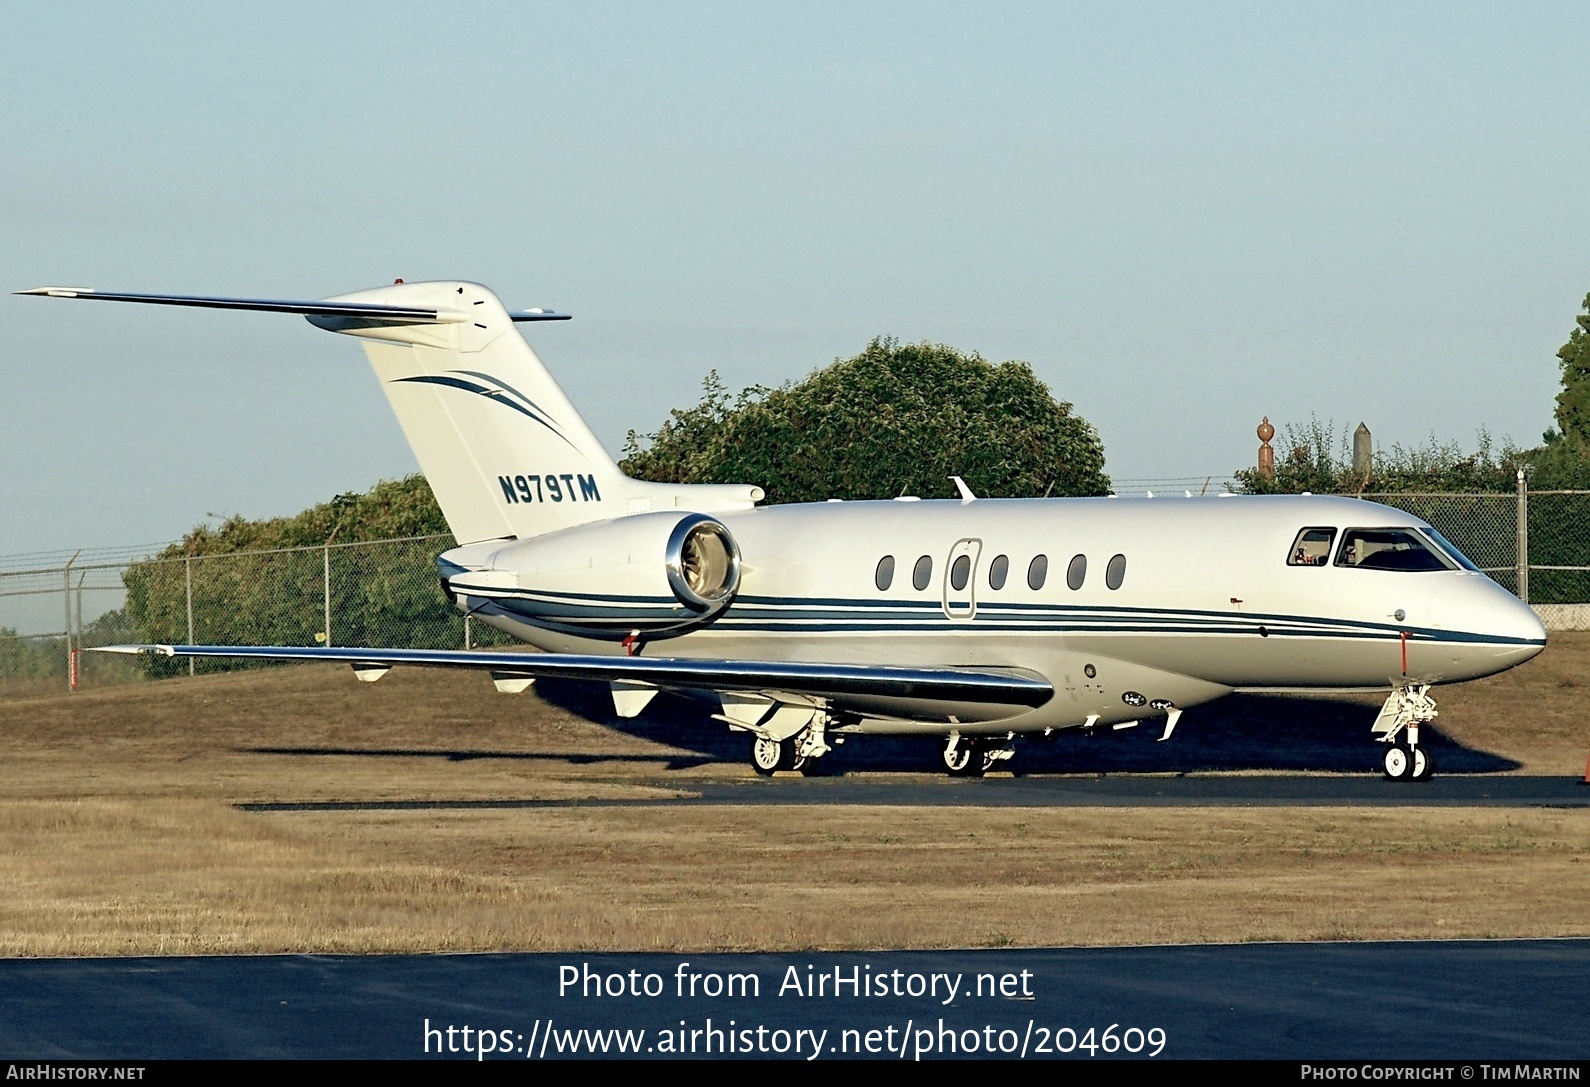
[{"x": 1405, "y": 710}]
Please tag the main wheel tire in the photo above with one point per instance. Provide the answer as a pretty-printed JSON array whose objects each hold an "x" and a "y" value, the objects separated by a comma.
[
  {"x": 766, "y": 755},
  {"x": 1396, "y": 763},
  {"x": 987, "y": 758},
  {"x": 1421, "y": 768},
  {"x": 961, "y": 759}
]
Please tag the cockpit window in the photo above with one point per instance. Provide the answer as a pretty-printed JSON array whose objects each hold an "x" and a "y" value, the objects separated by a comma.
[
  {"x": 1451, "y": 550},
  {"x": 1389, "y": 549},
  {"x": 1312, "y": 547}
]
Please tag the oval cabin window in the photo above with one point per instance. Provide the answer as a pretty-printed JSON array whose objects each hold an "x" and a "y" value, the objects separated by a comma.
[
  {"x": 1077, "y": 572},
  {"x": 961, "y": 572},
  {"x": 1037, "y": 572},
  {"x": 1115, "y": 572},
  {"x": 885, "y": 574},
  {"x": 923, "y": 572},
  {"x": 998, "y": 571}
]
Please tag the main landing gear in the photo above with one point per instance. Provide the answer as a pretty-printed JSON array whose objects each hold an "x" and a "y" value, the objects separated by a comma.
[
  {"x": 968, "y": 757},
  {"x": 1398, "y": 727},
  {"x": 799, "y": 752}
]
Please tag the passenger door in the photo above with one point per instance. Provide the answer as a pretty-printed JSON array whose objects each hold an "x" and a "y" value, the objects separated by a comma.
[{"x": 960, "y": 579}]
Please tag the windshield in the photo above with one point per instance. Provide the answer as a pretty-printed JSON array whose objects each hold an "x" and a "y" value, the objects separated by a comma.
[
  {"x": 1389, "y": 549},
  {"x": 1451, "y": 550}
]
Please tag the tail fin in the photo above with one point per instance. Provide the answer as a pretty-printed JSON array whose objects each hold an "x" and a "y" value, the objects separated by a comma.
[
  {"x": 505, "y": 452},
  {"x": 502, "y": 447}
]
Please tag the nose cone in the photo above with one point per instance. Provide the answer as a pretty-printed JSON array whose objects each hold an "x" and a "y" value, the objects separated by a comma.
[
  {"x": 1512, "y": 630},
  {"x": 1524, "y": 624}
]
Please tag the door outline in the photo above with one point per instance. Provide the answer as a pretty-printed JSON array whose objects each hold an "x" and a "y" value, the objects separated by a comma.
[{"x": 961, "y": 604}]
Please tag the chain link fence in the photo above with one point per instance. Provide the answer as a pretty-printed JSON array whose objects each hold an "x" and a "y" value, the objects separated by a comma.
[
  {"x": 1536, "y": 543},
  {"x": 383, "y": 593},
  {"x": 386, "y": 593}
]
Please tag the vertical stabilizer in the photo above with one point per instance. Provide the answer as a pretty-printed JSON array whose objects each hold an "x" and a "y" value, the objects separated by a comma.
[{"x": 504, "y": 450}]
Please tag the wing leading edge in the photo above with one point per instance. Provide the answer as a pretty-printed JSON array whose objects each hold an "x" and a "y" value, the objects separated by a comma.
[{"x": 1014, "y": 691}]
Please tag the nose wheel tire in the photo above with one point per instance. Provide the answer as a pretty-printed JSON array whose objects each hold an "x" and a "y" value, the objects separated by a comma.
[
  {"x": 1397, "y": 764},
  {"x": 1420, "y": 771},
  {"x": 768, "y": 757}
]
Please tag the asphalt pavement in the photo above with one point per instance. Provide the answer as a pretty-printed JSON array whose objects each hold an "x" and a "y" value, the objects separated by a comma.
[{"x": 1105, "y": 790}]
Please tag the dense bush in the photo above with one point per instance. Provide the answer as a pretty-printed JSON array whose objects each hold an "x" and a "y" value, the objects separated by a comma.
[
  {"x": 1317, "y": 458},
  {"x": 895, "y": 419}
]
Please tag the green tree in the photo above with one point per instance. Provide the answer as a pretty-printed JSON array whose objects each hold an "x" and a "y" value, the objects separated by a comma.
[
  {"x": 1573, "y": 403},
  {"x": 895, "y": 419}
]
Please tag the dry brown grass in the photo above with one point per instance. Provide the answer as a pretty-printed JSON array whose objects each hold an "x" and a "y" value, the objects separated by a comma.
[
  {"x": 119, "y": 877},
  {"x": 120, "y": 835}
]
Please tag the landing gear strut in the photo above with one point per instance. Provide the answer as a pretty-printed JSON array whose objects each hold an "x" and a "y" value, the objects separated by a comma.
[{"x": 1398, "y": 727}]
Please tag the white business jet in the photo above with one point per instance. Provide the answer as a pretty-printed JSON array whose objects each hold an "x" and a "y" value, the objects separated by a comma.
[{"x": 974, "y": 620}]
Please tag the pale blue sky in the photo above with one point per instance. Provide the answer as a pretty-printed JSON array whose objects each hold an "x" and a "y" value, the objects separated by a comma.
[{"x": 1185, "y": 217}]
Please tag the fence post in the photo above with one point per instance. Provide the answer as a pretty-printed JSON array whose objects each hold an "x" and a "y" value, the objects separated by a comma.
[
  {"x": 467, "y": 644},
  {"x": 187, "y": 575},
  {"x": 66, "y": 587},
  {"x": 77, "y": 625},
  {"x": 1523, "y": 538},
  {"x": 327, "y": 560}
]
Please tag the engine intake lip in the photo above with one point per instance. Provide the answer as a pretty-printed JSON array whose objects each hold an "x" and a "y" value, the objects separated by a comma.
[{"x": 682, "y": 562}]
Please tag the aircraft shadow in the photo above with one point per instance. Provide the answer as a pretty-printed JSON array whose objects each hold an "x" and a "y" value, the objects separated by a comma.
[
  {"x": 671, "y": 762},
  {"x": 1240, "y": 732}
]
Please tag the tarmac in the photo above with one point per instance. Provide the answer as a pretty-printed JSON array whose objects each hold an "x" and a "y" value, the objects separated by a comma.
[{"x": 1104, "y": 790}]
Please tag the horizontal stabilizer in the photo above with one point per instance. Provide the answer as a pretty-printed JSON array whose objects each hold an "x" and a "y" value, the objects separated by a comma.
[
  {"x": 958, "y": 685},
  {"x": 370, "y": 311}
]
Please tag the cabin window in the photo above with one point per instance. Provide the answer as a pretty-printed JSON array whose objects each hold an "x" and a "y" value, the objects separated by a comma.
[
  {"x": 960, "y": 572},
  {"x": 884, "y": 577},
  {"x": 1312, "y": 547},
  {"x": 1037, "y": 572},
  {"x": 1389, "y": 549},
  {"x": 998, "y": 571},
  {"x": 1115, "y": 572},
  {"x": 923, "y": 573},
  {"x": 1077, "y": 572}
]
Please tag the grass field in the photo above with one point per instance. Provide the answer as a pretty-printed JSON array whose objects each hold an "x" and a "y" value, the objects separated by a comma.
[{"x": 121, "y": 832}]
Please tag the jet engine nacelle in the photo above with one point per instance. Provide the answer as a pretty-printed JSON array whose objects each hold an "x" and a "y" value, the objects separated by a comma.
[{"x": 661, "y": 574}]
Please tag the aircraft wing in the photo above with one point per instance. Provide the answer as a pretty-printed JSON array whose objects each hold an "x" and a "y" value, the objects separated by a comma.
[{"x": 934, "y": 692}]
